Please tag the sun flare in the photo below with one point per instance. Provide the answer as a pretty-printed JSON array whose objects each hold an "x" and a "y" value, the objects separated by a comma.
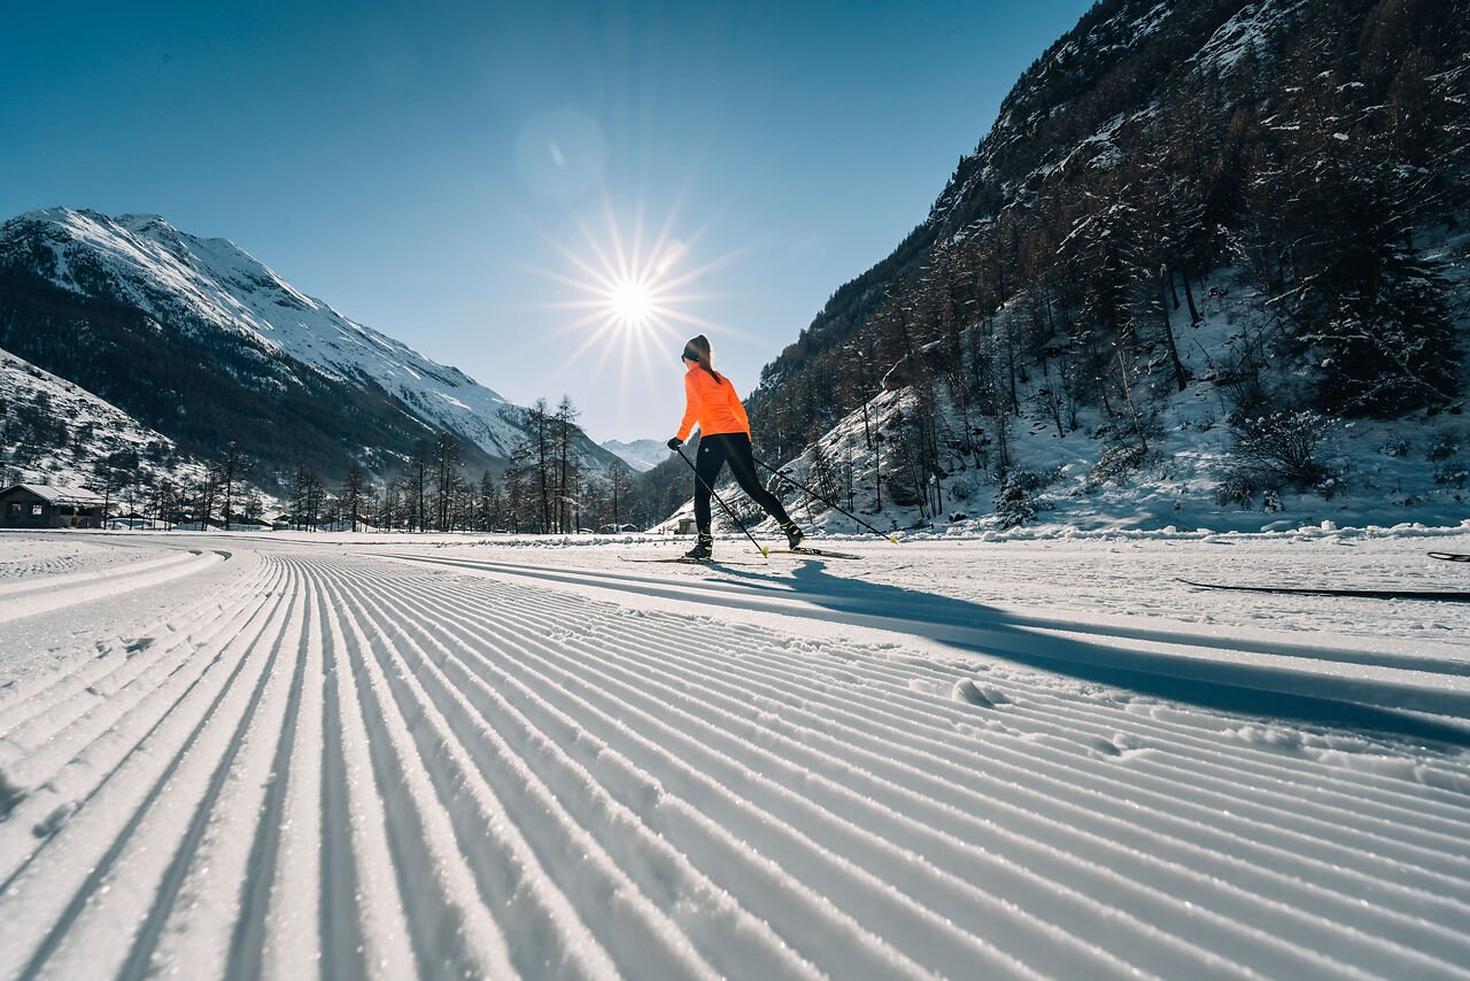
[
  {"x": 631, "y": 303},
  {"x": 632, "y": 293}
]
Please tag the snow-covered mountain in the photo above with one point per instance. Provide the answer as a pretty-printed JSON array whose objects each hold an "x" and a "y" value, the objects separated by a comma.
[
  {"x": 288, "y": 367},
  {"x": 52, "y": 431},
  {"x": 1209, "y": 266},
  {"x": 640, "y": 454}
]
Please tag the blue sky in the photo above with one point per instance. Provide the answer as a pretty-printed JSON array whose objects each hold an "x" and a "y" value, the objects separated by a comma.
[{"x": 417, "y": 164}]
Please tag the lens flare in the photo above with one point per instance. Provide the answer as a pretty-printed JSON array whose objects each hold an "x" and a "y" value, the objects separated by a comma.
[{"x": 632, "y": 296}]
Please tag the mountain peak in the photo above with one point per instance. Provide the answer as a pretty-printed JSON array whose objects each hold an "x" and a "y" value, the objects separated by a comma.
[{"x": 211, "y": 286}]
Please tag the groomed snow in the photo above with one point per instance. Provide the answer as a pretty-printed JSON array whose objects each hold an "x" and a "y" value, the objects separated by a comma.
[{"x": 381, "y": 755}]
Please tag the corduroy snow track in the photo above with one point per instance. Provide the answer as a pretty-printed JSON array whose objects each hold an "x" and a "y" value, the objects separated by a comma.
[{"x": 282, "y": 759}]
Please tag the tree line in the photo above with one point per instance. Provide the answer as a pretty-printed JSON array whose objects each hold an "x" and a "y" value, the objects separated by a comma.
[{"x": 546, "y": 488}]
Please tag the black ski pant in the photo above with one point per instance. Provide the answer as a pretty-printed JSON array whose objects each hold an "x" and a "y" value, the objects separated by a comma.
[{"x": 732, "y": 448}]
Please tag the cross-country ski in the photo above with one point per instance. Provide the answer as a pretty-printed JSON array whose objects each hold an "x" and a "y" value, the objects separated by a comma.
[
  {"x": 817, "y": 553},
  {"x": 708, "y": 490},
  {"x": 1436, "y": 595}
]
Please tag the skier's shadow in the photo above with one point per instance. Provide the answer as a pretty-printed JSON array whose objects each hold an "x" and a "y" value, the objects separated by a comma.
[{"x": 1239, "y": 688}]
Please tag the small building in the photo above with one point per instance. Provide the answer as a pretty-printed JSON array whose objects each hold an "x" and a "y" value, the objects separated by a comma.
[
  {"x": 686, "y": 526},
  {"x": 50, "y": 506}
]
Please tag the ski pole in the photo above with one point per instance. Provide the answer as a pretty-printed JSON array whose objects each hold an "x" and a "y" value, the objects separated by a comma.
[
  {"x": 765, "y": 552},
  {"x": 831, "y": 504}
]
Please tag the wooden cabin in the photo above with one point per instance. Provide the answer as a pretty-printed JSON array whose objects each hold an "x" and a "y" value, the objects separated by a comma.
[{"x": 50, "y": 506}]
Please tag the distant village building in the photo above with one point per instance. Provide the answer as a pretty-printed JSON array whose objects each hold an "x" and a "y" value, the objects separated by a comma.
[{"x": 50, "y": 506}]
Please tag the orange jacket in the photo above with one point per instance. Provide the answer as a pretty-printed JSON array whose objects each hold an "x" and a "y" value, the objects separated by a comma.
[{"x": 713, "y": 405}]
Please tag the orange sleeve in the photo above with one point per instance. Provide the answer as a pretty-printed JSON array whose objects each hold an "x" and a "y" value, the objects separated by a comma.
[
  {"x": 737, "y": 407},
  {"x": 691, "y": 401}
]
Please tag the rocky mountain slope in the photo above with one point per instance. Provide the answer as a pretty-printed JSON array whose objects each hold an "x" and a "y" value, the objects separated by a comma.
[
  {"x": 195, "y": 338},
  {"x": 1255, "y": 207},
  {"x": 57, "y": 432}
]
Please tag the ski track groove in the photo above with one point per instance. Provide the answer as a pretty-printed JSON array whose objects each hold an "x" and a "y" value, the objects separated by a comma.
[
  {"x": 352, "y": 767},
  {"x": 505, "y": 867},
  {"x": 781, "y": 805},
  {"x": 910, "y": 741},
  {"x": 1075, "y": 817},
  {"x": 40, "y": 748},
  {"x": 562, "y": 638},
  {"x": 236, "y": 743},
  {"x": 40, "y": 597},
  {"x": 339, "y": 932},
  {"x": 247, "y": 936},
  {"x": 1432, "y": 851},
  {"x": 76, "y": 907},
  {"x": 112, "y": 748},
  {"x": 1178, "y": 662},
  {"x": 91, "y": 668},
  {"x": 577, "y": 781},
  {"x": 432, "y": 882},
  {"x": 616, "y": 889},
  {"x": 1080, "y": 925},
  {"x": 1265, "y": 763},
  {"x": 380, "y": 927}
]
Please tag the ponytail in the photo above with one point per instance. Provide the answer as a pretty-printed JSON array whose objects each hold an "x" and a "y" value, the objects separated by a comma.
[{"x": 697, "y": 349}]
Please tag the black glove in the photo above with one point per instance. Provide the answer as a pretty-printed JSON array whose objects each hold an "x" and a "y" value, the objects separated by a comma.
[{"x": 675, "y": 443}]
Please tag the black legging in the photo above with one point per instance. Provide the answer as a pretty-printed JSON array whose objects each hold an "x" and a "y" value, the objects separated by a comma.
[{"x": 734, "y": 449}]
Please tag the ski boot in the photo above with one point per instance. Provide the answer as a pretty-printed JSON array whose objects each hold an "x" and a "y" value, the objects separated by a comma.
[
  {"x": 794, "y": 535},
  {"x": 703, "y": 550}
]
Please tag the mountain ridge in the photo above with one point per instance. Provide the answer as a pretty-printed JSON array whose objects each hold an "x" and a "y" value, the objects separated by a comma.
[
  {"x": 640, "y": 454},
  {"x": 135, "y": 283}
]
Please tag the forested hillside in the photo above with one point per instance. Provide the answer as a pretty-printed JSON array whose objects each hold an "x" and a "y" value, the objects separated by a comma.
[{"x": 1299, "y": 164}]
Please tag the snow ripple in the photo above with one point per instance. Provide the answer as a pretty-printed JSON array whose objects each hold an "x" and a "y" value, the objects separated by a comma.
[{"x": 348, "y": 765}]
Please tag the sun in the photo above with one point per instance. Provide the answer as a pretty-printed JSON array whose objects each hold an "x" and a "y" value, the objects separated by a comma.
[
  {"x": 632, "y": 293},
  {"x": 630, "y": 302}
]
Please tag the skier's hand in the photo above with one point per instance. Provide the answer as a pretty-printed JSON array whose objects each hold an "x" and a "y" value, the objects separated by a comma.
[{"x": 675, "y": 443}]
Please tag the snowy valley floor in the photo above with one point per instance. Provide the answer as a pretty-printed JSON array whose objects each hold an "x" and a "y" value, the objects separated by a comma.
[{"x": 379, "y": 755}]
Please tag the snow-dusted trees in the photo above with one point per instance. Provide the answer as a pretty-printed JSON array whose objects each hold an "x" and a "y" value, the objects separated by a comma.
[
  {"x": 1369, "y": 305},
  {"x": 567, "y": 475},
  {"x": 352, "y": 498},
  {"x": 445, "y": 462},
  {"x": 488, "y": 504},
  {"x": 1069, "y": 263},
  {"x": 308, "y": 499}
]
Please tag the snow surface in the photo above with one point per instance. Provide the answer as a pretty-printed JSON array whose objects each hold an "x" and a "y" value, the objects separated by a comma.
[
  {"x": 381, "y": 755},
  {"x": 30, "y": 558}
]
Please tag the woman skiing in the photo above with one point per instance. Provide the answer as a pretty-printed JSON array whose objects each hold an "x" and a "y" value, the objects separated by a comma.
[{"x": 724, "y": 437}]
